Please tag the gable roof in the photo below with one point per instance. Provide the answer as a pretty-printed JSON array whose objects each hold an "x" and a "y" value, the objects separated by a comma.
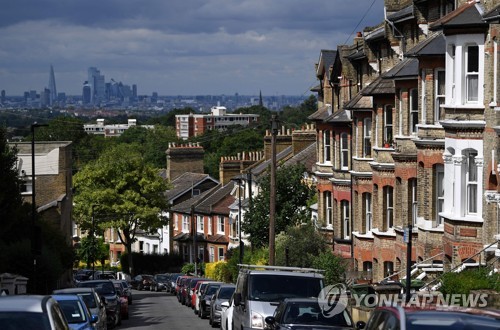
[
  {"x": 306, "y": 157},
  {"x": 466, "y": 16},
  {"x": 360, "y": 102},
  {"x": 342, "y": 116},
  {"x": 434, "y": 45},
  {"x": 326, "y": 58},
  {"x": 493, "y": 14},
  {"x": 401, "y": 15},
  {"x": 186, "y": 182},
  {"x": 379, "y": 86},
  {"x": 321, "y": 114},
  {"x": 406, "y": 69},
  {"x": 185, "y": 206},
  {"x": 209, "y": 204},
  {"x": 261, "y": 168}
]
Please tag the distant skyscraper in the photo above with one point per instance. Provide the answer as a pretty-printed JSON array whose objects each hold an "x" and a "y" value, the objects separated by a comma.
[
  {"x": 86, "y": 93},
  {"x": 52, "y": 86},
  {"x": 134, "y": 91},
  {"x": 97, "y": 85},
  {"x": 2, "y": 96}
]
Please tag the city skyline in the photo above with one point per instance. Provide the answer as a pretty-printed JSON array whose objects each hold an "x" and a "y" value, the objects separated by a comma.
[{"x": 176, "y": 48}]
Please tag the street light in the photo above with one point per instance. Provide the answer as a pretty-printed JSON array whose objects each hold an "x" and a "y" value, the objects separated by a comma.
[{"x": 93, "y": 242}]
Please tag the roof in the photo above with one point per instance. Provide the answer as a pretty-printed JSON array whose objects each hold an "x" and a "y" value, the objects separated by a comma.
[
  {"x": 466, "y": 16},
  {"x": 360, "y": 102},
  {"x": 326, "y": 59},
  {"x": 379, "y": 86},
  {"x": 29, "y": 303},
  {"x": 208, "y": 204},
  {"x": 493, "y": 14},
  {"x": 342, "y": 116},
  {"x": 262, "y": 167},
  {"x": 185, "y": 182},
  {"x": 321, "y": 114},
  {"x": 406, "y": 69},
  {"x": 185, "y": 206},
  {"x": 357, "y": 55},
  {"x": 401, "y": 15},
  {"x": 434, "y": 45},
  {"x": 307, "y": 157},
  {"x": 376, "y": 34}
]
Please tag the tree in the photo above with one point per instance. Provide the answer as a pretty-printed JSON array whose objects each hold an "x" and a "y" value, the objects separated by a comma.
[
  {"x": 292, "y": 196},
  {"x": 92, "y": 249},
  {"x": 303, "y": 243},
  {"x": 120, "y": 190}
]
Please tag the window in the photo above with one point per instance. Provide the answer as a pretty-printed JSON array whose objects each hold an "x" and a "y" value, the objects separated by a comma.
[
  {"x": 471, "y": 182},
  {"x": 413, "y": 108},
  {"x": 412, "y": 186},
  {"x": 326, "y": 147},
  {"x": 439, "y": 192},
  {"x": 440, "y": 94},
  {"x": 389, "y": 206},
  {"x": 221, "y": 254},
  {"x": 344, "y": 151},
  {"x": 185, "y": 223},
  {"x": 388, "y": 268},
  {"x": 472, "y": 74},
  {"x": 367, "y": 266},
  {"x": 212, "y": 254},
  {"x": 327, "y": 198},
  {"x": 367, "y": 136},
  {"x": 200, "y": 223},
  {"x": 345, "y": 219},
  {"x": 388, "y": 124},
  {"x": 220, "y": 224},
  {"x": 26, "y": 186},
  {"x": 367, "y": 201}
]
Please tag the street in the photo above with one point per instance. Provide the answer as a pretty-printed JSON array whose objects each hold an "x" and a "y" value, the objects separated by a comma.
[{"x": 160, "y": 310}]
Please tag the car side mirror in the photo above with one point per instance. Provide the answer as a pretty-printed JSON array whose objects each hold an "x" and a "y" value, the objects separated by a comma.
[
  {"x": 270, "y": 320},
  {"x": 360, "y": 325},
  {"x": 237, "y": 299},
  {"x": 94, "y": 319}
]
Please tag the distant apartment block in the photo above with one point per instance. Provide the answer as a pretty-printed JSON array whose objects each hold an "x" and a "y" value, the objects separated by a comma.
[
  {"x": 197, "y": 124},
  {"x": 111, "y": 130}
]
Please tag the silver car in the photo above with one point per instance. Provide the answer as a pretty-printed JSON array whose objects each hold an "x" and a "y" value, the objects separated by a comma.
[
  {"x": 31, "y": 312},
  {"x": 223, "y": 294},
  {"x": 93, "y": 302}
]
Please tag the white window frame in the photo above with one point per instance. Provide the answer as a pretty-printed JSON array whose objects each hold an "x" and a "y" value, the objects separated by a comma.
[
  {"x": 439, "y": 192},
  {"x": 471, "y": 182},
  {"x": 413, "y": 190},
  {"x": 413, "y": 110},
  {"x": 367, "y": 138},
  {"x": 367, "y": 199},
  {"x": 389, "y": 203},
  {"x": 327, "y": 195},
  {"x": 185, "y": 224},
  {"x": 346, "y": 221},
  {"x": 220, "y": 256},
  {"x": 220, "y": 224},
  {"x": 439, "y": 97},
  {"x": 327, "y": 147},
  {"x": 200, "y": 226},
  {"x": 344, "y": 151},
  {"x": 471, "y": 76},
  {"x": 388, "y": 124},
  {"x": 212, "y": 254}
]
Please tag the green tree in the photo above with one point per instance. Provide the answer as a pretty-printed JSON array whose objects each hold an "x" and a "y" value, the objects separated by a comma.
[
  {"x": 292, "y": 196},
  {"x": 92, "y": 250},
  {"x": 120, "y": 190},
  {"x": 303, "y": 242},
  {"x": 334, "y": 267},
  {"x": 61, "y": 129},
  {"x": 295, "y": 117}
]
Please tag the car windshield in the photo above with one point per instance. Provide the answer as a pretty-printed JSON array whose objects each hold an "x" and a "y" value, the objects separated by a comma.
[
  {"x": 278, "y": 287},
  {"x": 73, "y": 311},
  {"x": 161, "y": 278},
  {"x": 89, "y": 299},
  {"x": 225, "y": 293},
  {"x": 311, "y": 313},
  {"x": 24, "y": 320},
  {"x": 211, "y": 290}
]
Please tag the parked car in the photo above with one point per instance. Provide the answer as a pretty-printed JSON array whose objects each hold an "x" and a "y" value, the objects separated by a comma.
[
  {"x": 106, "y": 289},
  {"x": 190, "y": 284},
  {"x": 446, "y": 317},
  {"x": 179, "y": 282},
  {"x": 172, "y": 278},
  {"x": 93, "y": 302},
  {"x": 297, "y": 313},
  {"x": 123, "y": 297},
  {"x": 76, "y": 311},
  {"x": 199, "y": 292},
  {"x": 161, "y": 281},
  {"x": 126, "y": 289},
  {"x": 206, "y": 298},
  {"x": 226, "y": 318},
  {"x": 259, "y": 289},
  {"x": 224, "y": 293},
  {"x": 143, "y": 282},
  {"x": 31, "y": 312}
]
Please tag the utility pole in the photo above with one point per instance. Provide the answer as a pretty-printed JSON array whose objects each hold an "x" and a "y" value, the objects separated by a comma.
[
  {"x": 195, "y": 234},
  {"x": 272, "y": 192},
  {"x": 408, "y": 263}
]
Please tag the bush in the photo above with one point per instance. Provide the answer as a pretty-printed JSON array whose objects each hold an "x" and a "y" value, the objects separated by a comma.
[{"x": 470, "y": 279}]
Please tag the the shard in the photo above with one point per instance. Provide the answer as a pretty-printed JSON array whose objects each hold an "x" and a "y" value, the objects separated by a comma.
[{"x": 52, "y": 86}]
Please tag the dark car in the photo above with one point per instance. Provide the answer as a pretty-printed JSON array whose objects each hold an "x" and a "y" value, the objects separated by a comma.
[
  {"x": 106, "y": 289},
  {"x": 161, "y": 281},
  {"x": 223, "y": 294},
  {"x": 143, "y": 282},
  {"x": 206, "y": 299},
  {"x": 126, "y": 289},
  {"x": 296, "y": 313},
  {"x": 93, "y": 302},
  {"x": 445, "y": 317},
  {"x": 172, "y": 278},
  {"x": 189, "y": 289}
]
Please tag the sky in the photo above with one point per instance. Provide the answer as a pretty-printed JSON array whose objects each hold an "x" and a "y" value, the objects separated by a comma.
[{"x": 176, "y": 47}]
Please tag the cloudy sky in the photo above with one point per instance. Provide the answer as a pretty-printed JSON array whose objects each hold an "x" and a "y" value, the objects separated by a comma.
[{"x": 176, "y": 47}]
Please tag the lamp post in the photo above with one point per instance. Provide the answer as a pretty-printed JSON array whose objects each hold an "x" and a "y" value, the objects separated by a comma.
[
  {"x": 93, "y": 242},
  {"x": 272, "y": 197}
]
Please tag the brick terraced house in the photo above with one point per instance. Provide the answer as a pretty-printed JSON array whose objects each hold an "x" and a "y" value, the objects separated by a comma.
[{"x": 408, "y": 137}]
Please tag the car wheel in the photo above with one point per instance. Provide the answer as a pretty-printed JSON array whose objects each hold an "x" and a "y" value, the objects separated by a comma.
[
  {"x": 119, "y": 317},
  {"x": 200, "y": 313},
  {"x": 210, "y": 321}
]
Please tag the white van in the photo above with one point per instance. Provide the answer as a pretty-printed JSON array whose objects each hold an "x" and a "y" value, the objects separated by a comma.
[{"x": 259, "y": 289}]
